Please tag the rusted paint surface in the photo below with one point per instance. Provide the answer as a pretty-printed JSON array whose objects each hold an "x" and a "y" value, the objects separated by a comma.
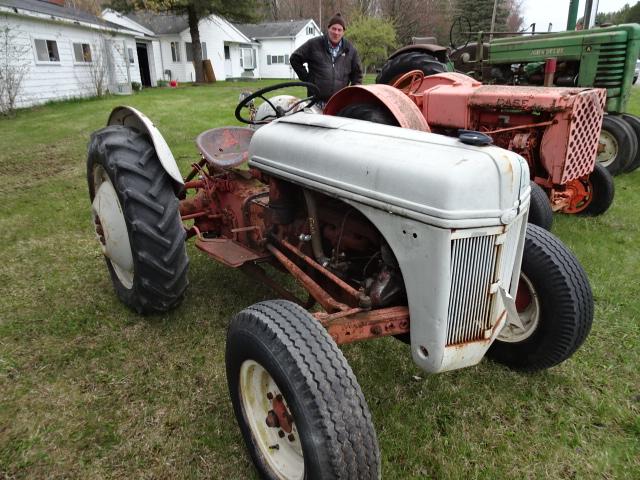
[
  {"x": 227, "y": 251},
  {"x": 320, "y": 294},
  {"x": 225, "y": 147},
  {"x": 355, "y": 294},
  {"x": 281, "y": 417},
  {"x": 399, "y": 105},
  {"x": 367, "y": 325}
]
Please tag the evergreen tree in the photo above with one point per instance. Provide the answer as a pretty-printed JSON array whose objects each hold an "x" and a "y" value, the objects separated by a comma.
[{"x": 479, "y": 14}]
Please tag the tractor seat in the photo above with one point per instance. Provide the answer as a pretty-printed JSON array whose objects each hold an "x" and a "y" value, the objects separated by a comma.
[{"x": 225, "y": 147}]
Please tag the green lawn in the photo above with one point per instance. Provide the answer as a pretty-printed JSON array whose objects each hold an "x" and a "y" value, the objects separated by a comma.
[{"x": 89, "y": 389}]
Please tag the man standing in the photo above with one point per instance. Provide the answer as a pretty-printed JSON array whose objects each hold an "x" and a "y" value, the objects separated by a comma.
[{"x": 332, "y": 61}]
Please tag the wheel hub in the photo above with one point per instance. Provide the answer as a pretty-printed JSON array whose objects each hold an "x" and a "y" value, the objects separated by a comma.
[
  {"x": 529, "y": 311},
  {"x": 607, "y": 149},
  {"x": 264, "y": 405},
  {"x": 111, "y": 228}
]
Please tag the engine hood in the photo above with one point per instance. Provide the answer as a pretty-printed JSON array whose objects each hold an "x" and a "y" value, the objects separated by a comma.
[{"x": 423, "y": 176}]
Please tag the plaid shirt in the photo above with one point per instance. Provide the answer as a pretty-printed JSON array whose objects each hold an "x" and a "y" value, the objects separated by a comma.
[{"x": 334, "y": 50}]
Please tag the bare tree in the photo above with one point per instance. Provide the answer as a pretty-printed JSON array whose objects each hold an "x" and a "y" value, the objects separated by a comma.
[
  {"x": 14, "y": 64},
  {"x": 99, "y": 66}
]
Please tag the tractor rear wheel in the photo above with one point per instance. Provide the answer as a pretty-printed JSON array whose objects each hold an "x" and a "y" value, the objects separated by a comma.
[
  {"x": 634, "y": 122},
  {"x": 407, "y": 61},
  {"x": 597, "y": 191},
  {"x": 555, "y": 306},
  {"x": 618, "y": 143},
  {"x": 540, "y": 212},
  {"x": 297, "y": 402},
  {"x": 370, "y": 112},
  {"x": 137, "y": 221}
]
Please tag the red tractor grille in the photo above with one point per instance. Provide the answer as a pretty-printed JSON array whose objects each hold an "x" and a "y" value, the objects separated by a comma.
[{"x": 584, "y": 134}]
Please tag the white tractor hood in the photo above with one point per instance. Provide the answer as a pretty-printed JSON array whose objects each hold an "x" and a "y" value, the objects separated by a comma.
[{"x": 427, "y": 177}]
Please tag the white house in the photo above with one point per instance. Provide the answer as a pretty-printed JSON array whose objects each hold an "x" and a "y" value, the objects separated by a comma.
[
  {"x": 277, "y": 40},
  {"x": 167, "y": 40},
  {"x": 65, "y": 53}
]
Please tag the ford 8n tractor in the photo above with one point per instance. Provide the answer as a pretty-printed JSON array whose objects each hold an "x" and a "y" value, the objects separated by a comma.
[
  {"x": 556, "y": 129},
  {"x": 391, "y": 231}
]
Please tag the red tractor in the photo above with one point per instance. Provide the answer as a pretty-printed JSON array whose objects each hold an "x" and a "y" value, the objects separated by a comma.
[
  {"x": 555, "y": 129},
  {"x": 390, "y": 231}
]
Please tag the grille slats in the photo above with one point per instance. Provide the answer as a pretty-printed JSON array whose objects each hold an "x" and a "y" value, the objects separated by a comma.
[{"x": 476, "y": 263}]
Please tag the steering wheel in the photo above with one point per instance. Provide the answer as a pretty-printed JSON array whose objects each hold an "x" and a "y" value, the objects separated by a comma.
[
  {"x": 410, "y": 82},
  {"x": 279, "y": 111},
  {"x": 460, "y": 31}
]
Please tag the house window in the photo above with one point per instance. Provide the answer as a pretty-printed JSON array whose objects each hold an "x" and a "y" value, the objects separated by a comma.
[
  {"x": 130, "y": 53},
  {"x": 227, "y": 52},
  {"x": 247, "y": 58},
  {"x": 175, "y": 51},
  {"x": 309, "y": 30},
  {"x": 82, "y": 52},
  {"x": 277, "y": 59},
  {"x": 203, "y": 46},
  {"x": 47, "y": 50}
]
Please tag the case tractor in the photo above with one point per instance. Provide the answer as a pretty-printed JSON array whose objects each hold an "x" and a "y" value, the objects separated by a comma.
[
  {"x": 389, "y": 231},
  {"x": 592, "y": 58},
  {"x": 555, "y": 129}
]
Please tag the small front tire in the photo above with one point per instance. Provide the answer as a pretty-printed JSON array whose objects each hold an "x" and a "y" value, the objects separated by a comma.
[
  {"x": 297, "y": 402},
  {"x": 540, "y": 212},
  {"x": 619, "y": 144},
  {"x": 555, "y": 304}
]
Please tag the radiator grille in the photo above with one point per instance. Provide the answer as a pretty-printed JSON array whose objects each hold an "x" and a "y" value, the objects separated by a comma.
[
  {"x": 584, "y": 134},
  {"x": 477, "y": 263},
  {"x": 610, "y": 69}
]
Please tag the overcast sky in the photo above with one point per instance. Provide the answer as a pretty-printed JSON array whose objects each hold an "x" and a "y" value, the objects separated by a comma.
[{"x": 555, "y": 11}]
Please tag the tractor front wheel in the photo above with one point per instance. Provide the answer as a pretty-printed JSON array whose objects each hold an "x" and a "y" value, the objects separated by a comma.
[
  {"x": 593, "y": 194},
  {"x": 136, "y": 219},
  {"x": 297, "y": 402},
  {"x": 618, "y": 145},
  {"x": 540, "y": 212},
  {"x": 407, "y": 61},
  {"x": 555, "y": 307}
]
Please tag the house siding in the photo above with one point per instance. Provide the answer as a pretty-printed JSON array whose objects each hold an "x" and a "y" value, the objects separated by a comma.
[
  {"x": 66, "y": 79},
  {"x": 283, "y": 46}
]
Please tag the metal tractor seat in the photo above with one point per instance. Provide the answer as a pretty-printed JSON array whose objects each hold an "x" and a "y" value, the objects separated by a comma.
[{"x": 225, "y": 147}]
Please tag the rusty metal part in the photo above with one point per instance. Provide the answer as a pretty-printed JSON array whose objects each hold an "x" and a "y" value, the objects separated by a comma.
[
  {"x": 228, "y": 251},
  {"x": 285, "y": 419},
  {"x": 320, "y": 294},
  {"x": 355, "y": 294},
  {"x": 367, "y": 325},
  {"x": 257, "y": 273},
  {"x": 549, "y": 71},
  {"x": 225, "y": 147},
  {"x": 316, "y": 241},
  {"x": 520, "y": 127},
  {"x": 399, "y": 105}
]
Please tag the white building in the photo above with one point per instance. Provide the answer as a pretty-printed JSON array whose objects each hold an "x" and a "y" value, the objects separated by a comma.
[
  {"x": 277, "y": 40},
  {"x": 65, "y": 53},
  {"x": 167, "y": 42}
]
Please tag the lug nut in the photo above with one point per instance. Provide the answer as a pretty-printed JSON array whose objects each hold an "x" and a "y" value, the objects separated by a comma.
[
  {"x": 270, "y": 396},
  {"x": 280, "y": 433},
  {"x": 272, "y": 419},
  {"x": 291, "y": 437}
]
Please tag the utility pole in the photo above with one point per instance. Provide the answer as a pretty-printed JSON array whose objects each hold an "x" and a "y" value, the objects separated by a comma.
[{"x": 493, "y": 19}]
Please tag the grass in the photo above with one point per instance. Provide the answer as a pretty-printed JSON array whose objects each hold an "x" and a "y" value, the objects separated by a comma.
[{"x": 88, "y": 389}]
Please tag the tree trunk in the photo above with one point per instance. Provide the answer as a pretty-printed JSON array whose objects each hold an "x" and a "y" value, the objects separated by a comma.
[{"x": 196, "y": 47}]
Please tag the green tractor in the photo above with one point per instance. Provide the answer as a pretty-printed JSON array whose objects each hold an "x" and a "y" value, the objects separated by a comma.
[{"x": 599, "y": 57}]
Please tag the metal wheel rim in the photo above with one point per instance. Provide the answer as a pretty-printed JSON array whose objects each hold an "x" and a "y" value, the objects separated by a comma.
[
  {"x": 111, "y": 228},
  {"x": 610, "y": 152},
  {"x": 286, "y": 460},
  {"x": 530, "y": 318}
]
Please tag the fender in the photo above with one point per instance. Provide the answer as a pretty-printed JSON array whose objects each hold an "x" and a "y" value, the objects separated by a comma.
[
  {"x": 436, "y": 50},
  {"x": 399, "y": 105},
  {"x": 130, "y": 117}
]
